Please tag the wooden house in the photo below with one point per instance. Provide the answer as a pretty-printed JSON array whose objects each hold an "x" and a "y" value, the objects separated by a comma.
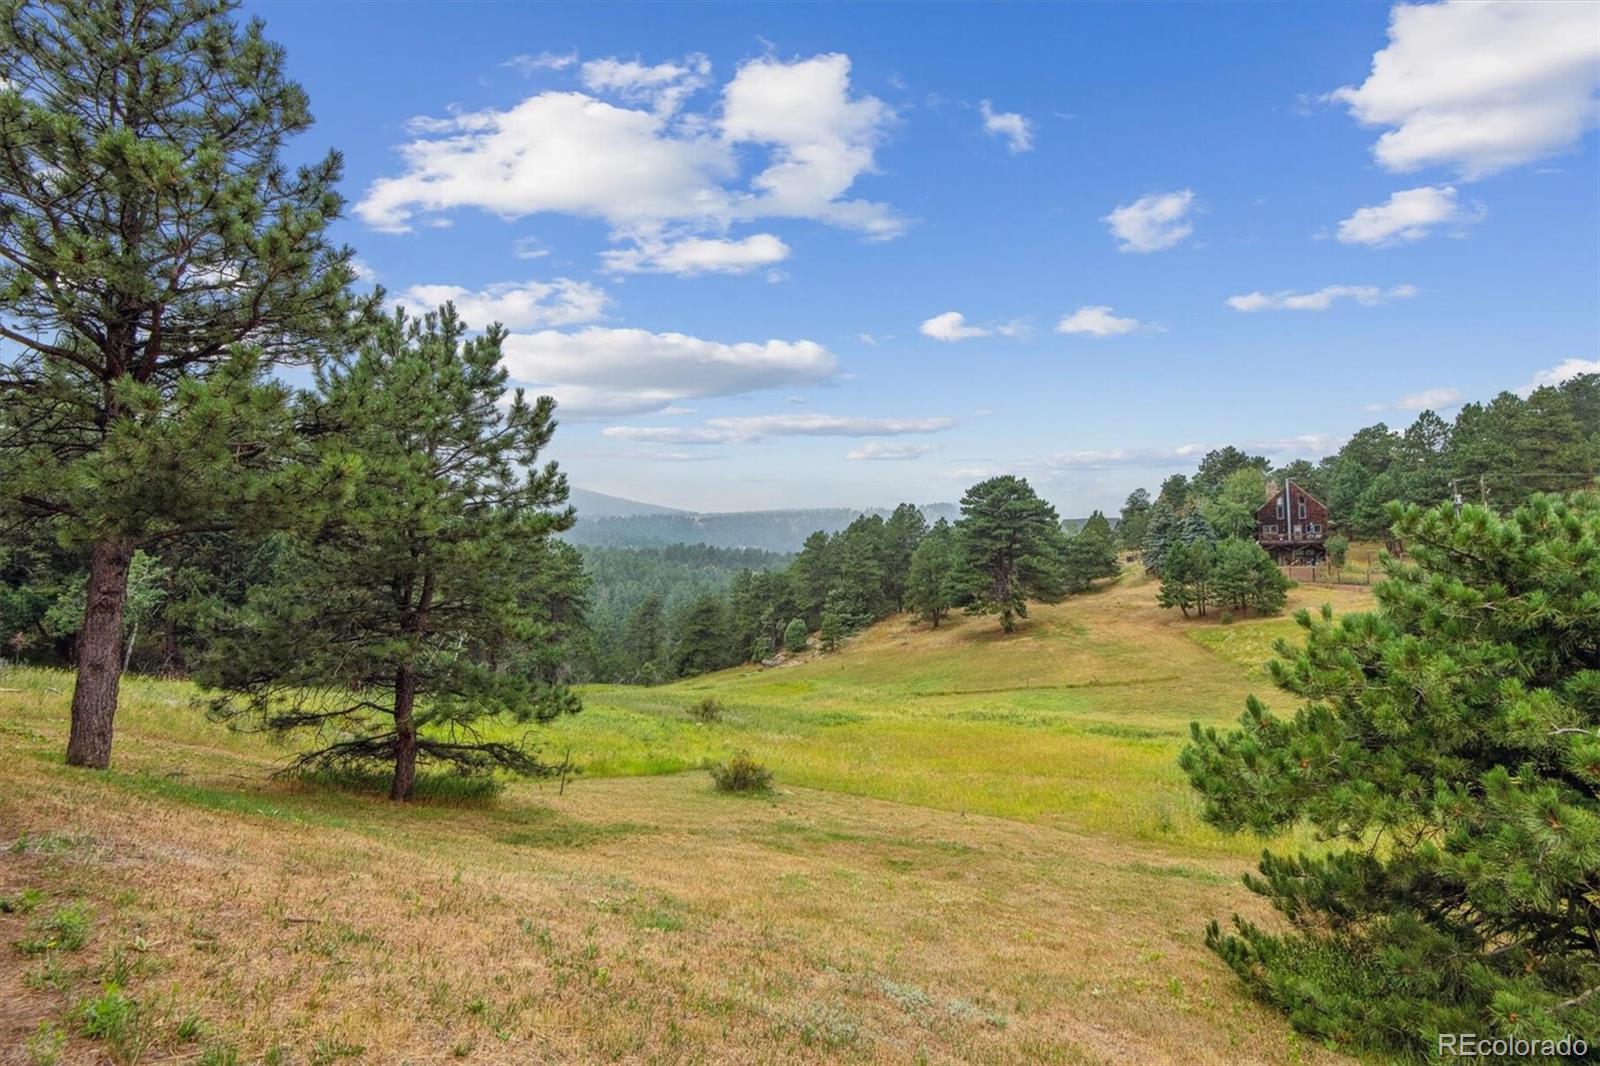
[{"x": 1293, "y": 526}]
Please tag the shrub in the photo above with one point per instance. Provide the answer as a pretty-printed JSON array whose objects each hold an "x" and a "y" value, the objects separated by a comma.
[
  {"x": 795, "y": 636},
  {"x": 741, "y": 773},
  {"x": 708, "y": 710},
  {"x": 1338, "y": 550}
]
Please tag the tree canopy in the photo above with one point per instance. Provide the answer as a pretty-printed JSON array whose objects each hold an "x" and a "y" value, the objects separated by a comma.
[{"x": 1448, "y": 743}]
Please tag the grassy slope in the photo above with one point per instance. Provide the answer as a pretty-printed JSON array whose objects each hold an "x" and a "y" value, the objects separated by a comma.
[{"x": 980, "y": 851}]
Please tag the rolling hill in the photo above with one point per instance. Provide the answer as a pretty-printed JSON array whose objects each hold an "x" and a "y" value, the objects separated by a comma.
[{"x": 980, "y": 849}]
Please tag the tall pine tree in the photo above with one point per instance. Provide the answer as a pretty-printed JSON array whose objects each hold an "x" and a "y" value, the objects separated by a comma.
[
  {"x": 1012, "y": 549},
  {"x": 1449, "y": 743},
  {"x": 156, "y": 256},
  {"x": 423, "y": 608}
]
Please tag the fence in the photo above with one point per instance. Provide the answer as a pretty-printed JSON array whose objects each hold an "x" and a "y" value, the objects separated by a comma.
[{"x": 1323, "y": 574}]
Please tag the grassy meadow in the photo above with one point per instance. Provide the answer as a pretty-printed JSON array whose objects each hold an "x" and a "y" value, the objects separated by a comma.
[{"x": 979, "y": 849}]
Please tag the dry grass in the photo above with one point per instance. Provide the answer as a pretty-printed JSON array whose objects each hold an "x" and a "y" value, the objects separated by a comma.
[{"x": 647, "y": 918}]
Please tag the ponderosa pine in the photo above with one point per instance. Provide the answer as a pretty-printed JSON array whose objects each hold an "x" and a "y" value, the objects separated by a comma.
[
  {"x": 156, "y": 257},
  {"x": 420, "y": 611},
  {"x": 1448, "y": 743}
]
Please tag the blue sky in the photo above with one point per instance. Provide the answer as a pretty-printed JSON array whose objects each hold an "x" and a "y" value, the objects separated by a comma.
[{"x": 794, "y": 256}]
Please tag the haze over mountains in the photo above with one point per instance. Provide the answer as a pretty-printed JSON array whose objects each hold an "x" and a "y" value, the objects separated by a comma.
[{"x": 615, "y": 522}]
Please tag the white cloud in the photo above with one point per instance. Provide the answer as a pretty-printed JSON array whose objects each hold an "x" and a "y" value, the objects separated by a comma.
[
  {"x": 641, "y": 170},
  {"x": 1322, "y": 299},
  {"x": 697, "y": 255},
  {"x": 1407, "y": 215},
  {"x": 531, "y": 64},
  {"x": 1016, "y": 129},
  {"x": 1153, "y": 222},
  {"x": 881, "y": 450},
  {"x": 515, "y": 305},
  {"x": 821, "y": 140},
  {"x": 1480, "y": 85},
  {"x": 820, "y": 425},
  {"x": 601, "y": 371},
  {"x": 1562, "y": 371},
  {"x": 363, "y": 270},
  {"x": 951, "y": 326},
  {"x": 529, "y": 248},
  {"x": 662, "y": 87},
  {"x": 748, "y": 428},
  {"x": 1426, "y": 400},
  {"x": 1096, "y": 321},
  {"x": 673, "y": 434}
]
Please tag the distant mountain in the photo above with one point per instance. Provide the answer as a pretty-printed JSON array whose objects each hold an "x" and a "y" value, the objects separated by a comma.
[
  {"x": 599, "y": 505},
  {"x": 774, "y": 531}
]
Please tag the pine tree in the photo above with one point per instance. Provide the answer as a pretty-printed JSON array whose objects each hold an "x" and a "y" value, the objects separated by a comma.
[
  {"x": 156, "y": 257},
  {"x": 702, "y": 643},
  {"x": 1135, "y": 519},
  {"x": 1158, "y": 537},
  {"x": 1186, "y": 577},
  {"x": 1449, "y": 743},
  {"x": 902, "y": 532},
  {"x": 794, "y": 636},
  {"x": 415, "y": 615},
  {"x": 931, "y": 586},
  {"x": 1090, "y": 554},
  {"x": 1244, "y": 578},
  {"x": 1011, "y": 549}
]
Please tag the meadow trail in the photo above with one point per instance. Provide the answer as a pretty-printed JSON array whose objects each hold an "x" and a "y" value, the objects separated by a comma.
[{"x": 943, "y": 874}]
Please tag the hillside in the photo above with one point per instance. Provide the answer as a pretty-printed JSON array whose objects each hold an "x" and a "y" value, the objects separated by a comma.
[
  {"x": 980, "y": 850},
  {"x": 590, "y": 504}
]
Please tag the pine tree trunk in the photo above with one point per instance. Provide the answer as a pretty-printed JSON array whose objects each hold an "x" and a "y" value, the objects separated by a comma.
[
  {"x": 94, "y": 696},
  {"x": 405, "y": 734}
]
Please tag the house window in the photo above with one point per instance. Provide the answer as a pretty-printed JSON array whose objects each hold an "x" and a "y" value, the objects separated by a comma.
[
  {"x": 1269, "y": 529},
  {"x": 1312, "y": 527},
  {"x": 1302, "y": 504},
  {"x": 1280, "y": 506}
]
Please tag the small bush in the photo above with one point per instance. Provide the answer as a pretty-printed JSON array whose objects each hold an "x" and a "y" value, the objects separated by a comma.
[
  {"x": 66, "y": 929},
  {"x": 741, "y": 773},
  {"x": 706, "y": 710},
  {"x": 1338, "y": 550},
  {"x": 795, "y": 636}
]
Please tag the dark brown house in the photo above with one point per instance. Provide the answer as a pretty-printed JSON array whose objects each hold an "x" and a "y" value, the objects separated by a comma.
[{"x": 1293, "y": 525}]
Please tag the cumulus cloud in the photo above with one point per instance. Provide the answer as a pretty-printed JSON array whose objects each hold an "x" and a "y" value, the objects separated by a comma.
[
  {"x": 882, "y": 450},
  {"x": 951, "y": 326},
  {"x": 1480, "y": 85},
  {"x": 1426, "y": 400},
  {"x": 1320, "y": 300},
  {"x": 1152, "y": 223},
  {"x": 642, "y": 166},
  {"x": 697, "y": 255},
  {"x": 1408, "y": 215},
  {"x": 513, "y": 304},
  {"x": 1017, "y": 130},
  {"x": 748, "y": 428},
  {"x": 532, "y": 64},
  {"x": 1096, "y": 321},
  {"x": 663, "y": 87},
  {"x": 821, "y": 139},
  {"x": 1562, "y": 371},
  {"x": 601, "y": 371}
]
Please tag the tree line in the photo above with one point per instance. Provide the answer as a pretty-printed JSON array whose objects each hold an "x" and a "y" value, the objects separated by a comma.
[
  {"x": 1007, "y": 547},
  {"x": 1498, "y": 454}
]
